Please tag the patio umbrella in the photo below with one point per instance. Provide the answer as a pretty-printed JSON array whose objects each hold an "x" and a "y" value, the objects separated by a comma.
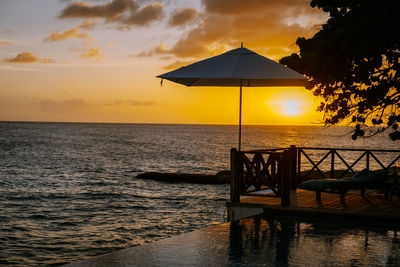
[{"x": 239, "y": 67}]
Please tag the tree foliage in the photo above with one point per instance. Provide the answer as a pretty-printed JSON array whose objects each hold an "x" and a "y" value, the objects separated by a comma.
[{"x": 353, "y": 64}]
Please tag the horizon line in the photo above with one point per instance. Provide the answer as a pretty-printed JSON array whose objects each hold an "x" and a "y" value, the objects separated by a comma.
[{"x": 165, "y": 123}]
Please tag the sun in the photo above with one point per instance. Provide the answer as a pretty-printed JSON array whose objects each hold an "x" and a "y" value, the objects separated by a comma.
[{"x": 291, "y": 108}]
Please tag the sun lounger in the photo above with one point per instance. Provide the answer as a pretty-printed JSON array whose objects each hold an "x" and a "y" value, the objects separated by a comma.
[{"x": 363, "y": 180}]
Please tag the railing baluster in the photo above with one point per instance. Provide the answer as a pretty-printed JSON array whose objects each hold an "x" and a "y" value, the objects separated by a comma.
[
  {"x": 310, "y": 160},
  {"x": 355, "y": 162},
  {"x": 316, "y": 165},
  {"x": 345, "y": 163},
  {"x": 396, "y": 159},
  {"x": 377, "y": 160}
]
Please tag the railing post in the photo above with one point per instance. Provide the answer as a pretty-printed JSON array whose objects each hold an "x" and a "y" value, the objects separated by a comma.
[
  {"x": 258, "y": 170},
  {"x": 285, "y": 178},
  {"x": 293, "y": 164},
  {"x": 332, "y": 163},
  {"x": 235, "y": 175},
  {"x": 367, "y": 160},
  {"x": 288, "y": 179},
  {"x": 298, "y": 174}
]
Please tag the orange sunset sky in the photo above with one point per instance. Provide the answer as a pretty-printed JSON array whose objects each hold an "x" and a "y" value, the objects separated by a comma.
[{"x": 96, "y": 61}]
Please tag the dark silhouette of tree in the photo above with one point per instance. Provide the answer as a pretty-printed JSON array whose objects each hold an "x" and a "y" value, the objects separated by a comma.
[{"x": 353, "y": 64}]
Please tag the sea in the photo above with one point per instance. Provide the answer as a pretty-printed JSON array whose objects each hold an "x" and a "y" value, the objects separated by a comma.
[{"x": 68, "y": 191}]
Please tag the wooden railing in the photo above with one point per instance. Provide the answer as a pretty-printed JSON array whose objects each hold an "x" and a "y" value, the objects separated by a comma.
[
  {"x": 282, "y": 169},
  {"x": 261, "y": 169},
  {"x": 358, "y": 159}
]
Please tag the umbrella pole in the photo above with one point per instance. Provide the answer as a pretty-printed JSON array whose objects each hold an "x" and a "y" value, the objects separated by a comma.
[{"x": 240, "y": 115}]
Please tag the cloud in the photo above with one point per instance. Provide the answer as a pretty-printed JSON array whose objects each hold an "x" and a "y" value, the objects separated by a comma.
[
  {"x": 3, "y": 42},
  {"x": 165, "y": 57},
  {"x": 64, "y": 106},
  {"x": 125, "y": 12},
  {"x": 28, "y": 57},
  {"x": 236, "y": 7},
  {"x": 160, "y": 49},
  {"x": 73, "y": 33},
  {"x": 67, "y": 34},
  {"x": 110, "y": 11},
  {"x": 178, "y": 64},
  {"x": 182, "y": 16},
  {"x": 93, "y": 53},
  {"x": 133, "y": 102},
  {"x": 267, "y": 26},
  {"x": 88, "y": 24},
  {"x": 15, "y": 68},
  {"x": 141, "y": 103},
  {"x": 145, "y": 15},
  {"x": 81, "y": 106}
]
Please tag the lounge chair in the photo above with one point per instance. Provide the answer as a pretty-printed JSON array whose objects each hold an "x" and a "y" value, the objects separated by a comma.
[{"x": 365, "y": 179}]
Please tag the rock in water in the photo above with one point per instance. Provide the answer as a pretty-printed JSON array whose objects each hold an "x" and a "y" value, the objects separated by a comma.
[{"x": 195, "y": 178}]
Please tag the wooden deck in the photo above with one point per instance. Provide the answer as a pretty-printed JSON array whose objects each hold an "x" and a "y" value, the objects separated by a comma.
[{"x": 373, "y": 207}]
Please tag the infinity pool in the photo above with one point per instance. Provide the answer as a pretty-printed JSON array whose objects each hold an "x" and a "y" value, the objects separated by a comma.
[{"x": 266, "y": 241}]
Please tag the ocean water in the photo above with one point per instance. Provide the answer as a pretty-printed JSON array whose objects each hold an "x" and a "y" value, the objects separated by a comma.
[{"x": 68, "y": 190}]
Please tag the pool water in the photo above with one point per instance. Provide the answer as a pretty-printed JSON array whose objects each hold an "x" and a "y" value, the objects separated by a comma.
[{"x": 266, "y": 241}]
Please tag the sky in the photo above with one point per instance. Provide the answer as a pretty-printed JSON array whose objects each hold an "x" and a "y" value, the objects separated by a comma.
[{"x": 96, "y": 60}]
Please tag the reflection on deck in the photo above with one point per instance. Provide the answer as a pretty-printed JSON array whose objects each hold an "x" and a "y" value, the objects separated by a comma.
[
  {"x": 265, "y": 241},
  {"x": 373, "y": 207}
]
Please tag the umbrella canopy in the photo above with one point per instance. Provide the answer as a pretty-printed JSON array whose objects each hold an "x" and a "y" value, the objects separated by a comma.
[{"x": 238, "y": 67}]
